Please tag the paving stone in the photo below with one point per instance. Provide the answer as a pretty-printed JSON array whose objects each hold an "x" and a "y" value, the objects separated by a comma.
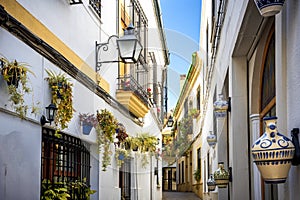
[{"x": 179, "y": 196}]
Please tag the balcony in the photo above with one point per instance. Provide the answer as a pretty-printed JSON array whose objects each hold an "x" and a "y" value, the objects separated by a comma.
[{"x": 133, "y": 96}]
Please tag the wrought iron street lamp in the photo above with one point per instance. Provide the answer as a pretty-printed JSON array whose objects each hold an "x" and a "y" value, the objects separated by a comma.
[{"x": 129, "y": 48}]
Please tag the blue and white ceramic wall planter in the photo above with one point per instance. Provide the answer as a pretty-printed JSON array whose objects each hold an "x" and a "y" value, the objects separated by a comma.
[
  {"x": 211, "y": 139},
  {"x": 273, "y": 153},
  {"x": 220, "y": 107},
  {"x": 221, "y": 176},
  {"x": 269, "y": 7},
  {"x": 211, "y": 183}
]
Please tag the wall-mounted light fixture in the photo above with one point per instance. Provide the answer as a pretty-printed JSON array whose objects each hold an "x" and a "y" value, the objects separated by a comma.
[
  {"x": 50, "y": 114},
  {"x": 129, "y": 48},
  {"x": 221, "y": 107},
  {"x": 170, "y": 121}
]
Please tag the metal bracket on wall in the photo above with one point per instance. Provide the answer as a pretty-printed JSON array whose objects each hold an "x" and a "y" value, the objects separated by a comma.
[
  {"x": 295, "y": 141},
  {"x": 104, "y": 47}
]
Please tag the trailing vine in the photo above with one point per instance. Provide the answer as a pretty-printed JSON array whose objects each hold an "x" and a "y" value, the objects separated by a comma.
[
  {"x": 61, "y": 89},
  {"x": 105, "y": 135},
  {"x": 13, "y": 73}
]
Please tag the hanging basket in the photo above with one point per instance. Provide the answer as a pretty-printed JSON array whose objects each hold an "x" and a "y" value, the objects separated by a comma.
[
  {"x": 269, "y": 7},
  {"x": 273, "y": 153}
]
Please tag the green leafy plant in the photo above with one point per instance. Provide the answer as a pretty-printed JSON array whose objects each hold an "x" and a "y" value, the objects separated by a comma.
[
  {"x": 106, "y": 130},
  {"x": 80, "y": 190},
  {"x": 148, "y": 143},
  {"x": 13, "y": 73},
  {"x": 121, "y": 155},
  {"x": 197, "y": 175},
  {"x": 134, "y": 143},
  {"x": 59, "y": 191},
  {"x": 61, "y": 89}
]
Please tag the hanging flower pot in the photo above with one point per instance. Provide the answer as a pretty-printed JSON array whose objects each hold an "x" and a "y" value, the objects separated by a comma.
[
  {"x": 221, "y": 176},
  {"x": 211, "y": 139},
  {"x": 269, "y": 7},
  {"x": 273, "y": 153},
  {"x": 86, "y": 128},
  {"x": 88, "y": 122},
  {"x": 220, "y": 107},
  {"x": 211, "y": 183}
]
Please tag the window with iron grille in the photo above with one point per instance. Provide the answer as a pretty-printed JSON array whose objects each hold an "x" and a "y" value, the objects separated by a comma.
[
  {"x": 96, "y": 5},
  {"x": 64, "y": 160}
]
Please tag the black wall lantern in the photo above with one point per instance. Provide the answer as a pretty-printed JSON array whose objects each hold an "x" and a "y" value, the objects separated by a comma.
[
  {"x": 129, "y": 48},
  {"x": 50, "y": 114},
  {"x": 170, "y": 121}
]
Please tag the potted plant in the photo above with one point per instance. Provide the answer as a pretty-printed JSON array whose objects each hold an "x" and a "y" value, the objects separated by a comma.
[
  {"x": 121, "y": 135},
  {"x": 134, "y": 143},
  {"x": 121, "y": 155},
  {"x": 197, "y": 175},
  {"x": 148, "y": 143},
  {"x": 53, "y": 192},
  {"x": 88, "y": 122},
  {"x": 106, "y": 130},
  {"x": 61, "y": 89},
  {"x": 221, "y": 176},
  {"x": 14, "y": 73},
  {"x": 80, "y": 190}
]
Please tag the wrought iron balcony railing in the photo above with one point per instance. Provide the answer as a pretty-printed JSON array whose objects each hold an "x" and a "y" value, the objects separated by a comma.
[{"x": 128, "y": 83}]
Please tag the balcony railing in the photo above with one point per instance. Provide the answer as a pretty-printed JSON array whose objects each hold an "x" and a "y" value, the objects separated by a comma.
[{"x": 128, "y": 83}]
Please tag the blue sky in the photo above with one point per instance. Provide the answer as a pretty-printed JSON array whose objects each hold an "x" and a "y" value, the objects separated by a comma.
[{"x": 182, "y": 24}]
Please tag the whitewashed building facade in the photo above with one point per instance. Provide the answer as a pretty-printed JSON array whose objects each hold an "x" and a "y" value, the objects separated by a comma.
[
  {"x": 61, "y": 36},
  {"x": 251, "y": 60}
]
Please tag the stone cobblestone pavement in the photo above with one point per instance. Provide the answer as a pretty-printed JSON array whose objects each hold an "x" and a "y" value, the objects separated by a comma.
[{"x": 179, "y": 196}]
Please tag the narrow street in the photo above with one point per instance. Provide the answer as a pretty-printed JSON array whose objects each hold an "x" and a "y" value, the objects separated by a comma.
[{"x": 179, "y": 196}]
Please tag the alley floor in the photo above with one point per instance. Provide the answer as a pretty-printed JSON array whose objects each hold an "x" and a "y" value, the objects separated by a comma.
[{"x": 180, "y": 196}]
